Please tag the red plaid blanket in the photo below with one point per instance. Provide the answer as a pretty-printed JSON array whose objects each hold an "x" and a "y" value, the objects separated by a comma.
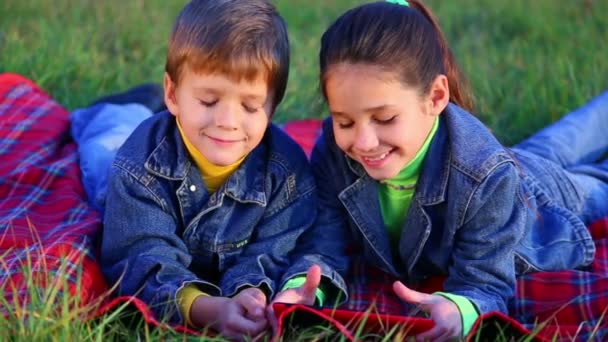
[{"x": 47, "y": 229}]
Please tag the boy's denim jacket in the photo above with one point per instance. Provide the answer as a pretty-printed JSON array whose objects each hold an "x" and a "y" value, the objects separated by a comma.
[
  {"x": 474, "y": 216},
  {"x": 163, "y": 230}
]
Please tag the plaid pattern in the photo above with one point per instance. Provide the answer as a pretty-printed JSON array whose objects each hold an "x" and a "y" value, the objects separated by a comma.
[
  {"x": 46, "y": 228},
  {"x": 572, "y": 304}
]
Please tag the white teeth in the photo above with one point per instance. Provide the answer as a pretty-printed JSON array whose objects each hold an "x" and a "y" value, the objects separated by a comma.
[{"x": 380, "y": 157}]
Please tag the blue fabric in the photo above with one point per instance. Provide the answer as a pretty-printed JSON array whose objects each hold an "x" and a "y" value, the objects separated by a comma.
[
  {"x": 163, "y": 229},
  {"x": 99, "y": 131},
  {"x": 481, "y": 213}
]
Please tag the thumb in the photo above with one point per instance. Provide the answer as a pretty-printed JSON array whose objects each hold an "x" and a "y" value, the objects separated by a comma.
[
  {"x": 313, "y": 279},
  {"x": 409, "y": 295},
  {"x": 272, "y": 319}
]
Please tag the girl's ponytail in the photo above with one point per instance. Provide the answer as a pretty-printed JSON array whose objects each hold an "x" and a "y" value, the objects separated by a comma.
[
  {"x": 459, "y": 87},
  {"x": 406, "y": 39}
]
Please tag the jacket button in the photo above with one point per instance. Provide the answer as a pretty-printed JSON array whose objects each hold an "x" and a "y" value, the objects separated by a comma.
[{"x": 193, "y": 188}]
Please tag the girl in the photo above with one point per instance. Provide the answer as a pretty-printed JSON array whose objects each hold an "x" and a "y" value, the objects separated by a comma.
[{"x": 424, "y": 189}]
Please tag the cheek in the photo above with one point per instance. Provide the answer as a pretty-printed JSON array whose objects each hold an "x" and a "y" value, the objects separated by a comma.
[
  {"x": 343, "y": 139},
  {"x": 257, "y": 127}
]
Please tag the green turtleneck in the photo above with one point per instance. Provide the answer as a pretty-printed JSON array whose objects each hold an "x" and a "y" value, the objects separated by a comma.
[{"x": 395, "y": 197}]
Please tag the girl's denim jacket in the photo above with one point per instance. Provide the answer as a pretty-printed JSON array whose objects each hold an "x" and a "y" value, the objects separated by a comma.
[
  {"x": 163, "y": 230},
  {"x": 476, "y": 216}
]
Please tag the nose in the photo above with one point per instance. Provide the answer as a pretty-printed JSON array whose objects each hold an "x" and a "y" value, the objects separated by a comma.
[
  {"x": 365, "y": 138},
  {"x": 227, "y": 118}
]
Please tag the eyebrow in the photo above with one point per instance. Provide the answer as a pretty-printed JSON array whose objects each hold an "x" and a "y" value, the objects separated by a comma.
[
  {"x": 206, "y": 90},
  {"x": 255, "y": 97},
  {"x": 366, "y": 110},
  {"x": 251, "y": 97}
]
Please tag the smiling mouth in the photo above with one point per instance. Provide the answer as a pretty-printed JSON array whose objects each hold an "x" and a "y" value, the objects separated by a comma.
[
  {"x": 376, "y": 158},
  {"x": 223, "y": 141}
]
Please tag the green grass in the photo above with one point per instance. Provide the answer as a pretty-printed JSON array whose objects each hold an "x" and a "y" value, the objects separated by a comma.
[{"x": 529, "y": 62}]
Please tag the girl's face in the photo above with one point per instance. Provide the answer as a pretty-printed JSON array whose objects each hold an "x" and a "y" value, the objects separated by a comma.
[{"x": 377, "y": 120}]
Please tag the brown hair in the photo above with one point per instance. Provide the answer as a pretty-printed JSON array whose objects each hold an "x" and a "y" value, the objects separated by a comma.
[
  {"x": 241, "y": 39},
  {"x": 407, "y": 39}
]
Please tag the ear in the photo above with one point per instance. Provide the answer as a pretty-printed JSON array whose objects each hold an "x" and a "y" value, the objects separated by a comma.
[
  {"x": 170, "y": 101},
  {"x": 439, "y": 95}
]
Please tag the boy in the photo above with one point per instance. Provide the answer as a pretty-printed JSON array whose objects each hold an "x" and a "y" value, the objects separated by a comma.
[{"x": 206, "y": 200}]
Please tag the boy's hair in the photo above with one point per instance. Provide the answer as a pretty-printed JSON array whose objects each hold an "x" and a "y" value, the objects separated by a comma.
[
  {"x": 406, "y": 39},
  {"x": 241, "y": 39}
]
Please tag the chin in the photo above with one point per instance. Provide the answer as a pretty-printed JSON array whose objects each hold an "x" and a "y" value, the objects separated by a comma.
[
  {"x": 380, "y": 175},
  {"x": 222, "y": 161}
]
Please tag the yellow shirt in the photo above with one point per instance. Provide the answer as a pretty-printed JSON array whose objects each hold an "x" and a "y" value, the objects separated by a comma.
[{"x": 213, "y": 176}]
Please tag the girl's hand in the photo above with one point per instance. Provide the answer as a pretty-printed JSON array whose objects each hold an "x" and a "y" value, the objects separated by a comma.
[
  {"x": 237, "y": 317},
  {"x": 445, "y": 314},
  {"x": 304, "y": 294}
]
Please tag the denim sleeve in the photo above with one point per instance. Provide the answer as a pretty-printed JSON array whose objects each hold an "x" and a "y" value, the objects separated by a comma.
[
  {"x": 482, "y": 267},
  {"x": 325, "y": 243},
  {"x": 141, "y": 249}
]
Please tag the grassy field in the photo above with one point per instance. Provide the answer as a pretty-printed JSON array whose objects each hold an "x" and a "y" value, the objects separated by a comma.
[{"x": 529, "y": 62}]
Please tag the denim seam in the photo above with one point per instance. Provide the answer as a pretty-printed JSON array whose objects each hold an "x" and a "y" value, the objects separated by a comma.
[
  {"x": 132, "y": 177},
  {"x": 285, "y": 204},
  {"x": 497, "y": 160},
  {"x": 244, "y": 281},
  {"x": 152, "y": 170},
  {"x": 476, "y": 189}
]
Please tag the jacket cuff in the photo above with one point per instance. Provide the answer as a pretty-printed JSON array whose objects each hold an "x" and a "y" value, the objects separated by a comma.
[
  {"x": 230, "y": 289},
  {"x": 468, "y": 311},
  {"x": 299, "y": 281}
]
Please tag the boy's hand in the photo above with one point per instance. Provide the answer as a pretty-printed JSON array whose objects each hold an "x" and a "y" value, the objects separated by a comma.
[
  {"x": 236, "y": 317},
  {"x": 445, "y": 314},
  {"x": 304, "y": 294}
]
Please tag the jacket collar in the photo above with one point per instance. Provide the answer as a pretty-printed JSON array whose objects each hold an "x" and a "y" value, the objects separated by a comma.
[
  {"x": 431, "y": 189},
  {"x": 170, "y": 160},
  {"x": 433, "y": 178}
]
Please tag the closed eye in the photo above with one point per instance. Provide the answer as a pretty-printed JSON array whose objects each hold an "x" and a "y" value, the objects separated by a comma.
[
  {"x": 250, "y": 109},
  {"x": 208, "y": 103},
  {"x": 345, "y": 125},
  {"x": 386, "y": 121}
]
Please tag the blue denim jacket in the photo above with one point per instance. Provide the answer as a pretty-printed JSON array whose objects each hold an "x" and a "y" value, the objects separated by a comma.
[
  {"x": 163, "y": 230},
  {"x": 478, "y": 215}
]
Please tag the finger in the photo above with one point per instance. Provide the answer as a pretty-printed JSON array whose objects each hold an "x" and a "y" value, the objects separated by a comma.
[
  {"x": 256, "y": 293},
  {"x": 313, "y": 279},
  {"x": 271, "y": 317},
  {"x": 244, "y": 326},
  {"x": 409, "y": 295},
  {"x": 253, "y": 306},
  {"x": 259, "y": 295},
  {"x": 259, "y": 337},
  {"x": 447, "y": 336},
  {"x": 431, "y": 334}
]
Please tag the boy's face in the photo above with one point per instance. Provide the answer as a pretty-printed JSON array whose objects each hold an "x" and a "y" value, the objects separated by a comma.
[{"x": 222, "y": 118}]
